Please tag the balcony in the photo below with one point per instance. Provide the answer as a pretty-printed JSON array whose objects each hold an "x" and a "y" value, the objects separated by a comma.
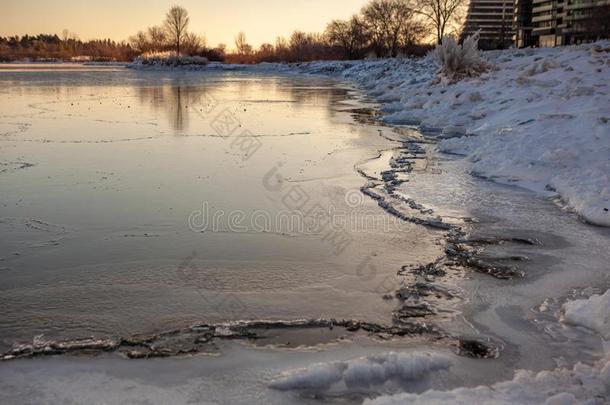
[
  {"x": 542, "y": 18},
  {"x": 540, "y": 9}
]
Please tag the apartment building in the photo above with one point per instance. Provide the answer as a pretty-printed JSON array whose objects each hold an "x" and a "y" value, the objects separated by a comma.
[
  {"x": 522, "y": 24},
  {"x": 566, "y": 22},
  {"x": 493, "y": 19}
]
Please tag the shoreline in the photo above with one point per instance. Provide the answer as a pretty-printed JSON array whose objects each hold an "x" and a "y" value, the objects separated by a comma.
[
  {"x": 407, "y": 319},
  {"x": 511, "y": 133}
]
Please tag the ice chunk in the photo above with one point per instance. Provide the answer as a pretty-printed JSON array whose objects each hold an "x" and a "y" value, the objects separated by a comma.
[
  {"x": 592, "y": 313},
  {"x": 362, "y": 372}
]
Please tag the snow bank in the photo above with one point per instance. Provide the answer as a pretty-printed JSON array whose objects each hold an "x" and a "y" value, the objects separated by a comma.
[
  {"x": 161, "y": 60},
  {"x": 540, "y": 119},
  {"x": 580, "y": 385},
  {"x": 592, "y": 313},
  {"x": 362, "y": 373}
]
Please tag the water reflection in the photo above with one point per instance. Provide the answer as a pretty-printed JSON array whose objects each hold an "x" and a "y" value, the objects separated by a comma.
[
  {"x": 174, "y": 101},
  {"x": 182, "y": 101},
  {"x": 96, "y": 227},
  {"x": 180, "y": 97}
]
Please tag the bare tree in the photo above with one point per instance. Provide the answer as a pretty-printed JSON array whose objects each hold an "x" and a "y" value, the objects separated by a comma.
[
  {"x": 221, "y": 49},
  {"x": 241, "y": 44},
  {"x": 157, "y": 37},
  {"x": 216, "y": 54},
  {"x": 281, "y": 48},
  {"x": 266, "y": 53},
  {"x": 176, "y": 25},
  {"x": 192, "y": 43},
  {"x": 441, "y": 14},
  {"x": 301, "y": 44},
  {"x": 140, "y": 42},
  {"x": 389, "y": 23},
  {"x": 350, "y": 36}
]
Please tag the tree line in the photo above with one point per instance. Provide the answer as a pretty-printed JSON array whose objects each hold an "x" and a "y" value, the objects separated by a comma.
[
  {"x": 382, "y": 28},
  {"x": 51, "y": 47}
]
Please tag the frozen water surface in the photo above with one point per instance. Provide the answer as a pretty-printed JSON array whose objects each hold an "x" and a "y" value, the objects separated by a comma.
[
  {"x": 143, "y": 202},
  {"x": 95, "y": 231}
]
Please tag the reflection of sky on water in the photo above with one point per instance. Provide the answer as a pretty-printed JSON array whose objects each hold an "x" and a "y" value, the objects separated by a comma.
[{"x": 119, "y": 162}]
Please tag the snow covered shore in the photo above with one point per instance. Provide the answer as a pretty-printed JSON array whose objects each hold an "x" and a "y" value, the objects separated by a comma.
[
  {"x": 540, "y": 119},
  {"x": 164, "y": 60}
]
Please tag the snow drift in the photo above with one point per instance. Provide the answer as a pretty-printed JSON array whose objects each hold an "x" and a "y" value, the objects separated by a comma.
[
  {"x": 539, "y": 119},
  {"x": 592, "y": 313},
  {"x": 160, "y": 60},
  {"x": 362, "y": 373},
  {"x": 579, "y": 385}
]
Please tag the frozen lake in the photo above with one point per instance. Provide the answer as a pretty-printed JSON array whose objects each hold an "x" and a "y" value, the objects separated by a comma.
[{"x": 137, "y": 203}]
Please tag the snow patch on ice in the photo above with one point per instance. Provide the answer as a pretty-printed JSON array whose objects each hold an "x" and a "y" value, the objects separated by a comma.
[
  {"x": 580, "y": 385},
  {"x": 362, "y": 373},
  {"x": 592, "y": 313},
  {"x": 583, "y": 384}
]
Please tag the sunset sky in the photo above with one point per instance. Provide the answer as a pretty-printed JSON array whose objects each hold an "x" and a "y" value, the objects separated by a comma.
[{"x": 218, "y": 20}]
